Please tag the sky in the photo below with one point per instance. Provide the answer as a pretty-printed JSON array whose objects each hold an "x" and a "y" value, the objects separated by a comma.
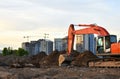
[{"x": 34, "y": 18}]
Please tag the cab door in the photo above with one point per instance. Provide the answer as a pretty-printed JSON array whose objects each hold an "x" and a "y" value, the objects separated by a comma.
[{"x": 104, "y": 43}]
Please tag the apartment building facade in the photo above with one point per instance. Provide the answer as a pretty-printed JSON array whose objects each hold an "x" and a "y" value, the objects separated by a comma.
[
  {"x": 60, "y": 44},
  {"x": 41, "y": 45}
]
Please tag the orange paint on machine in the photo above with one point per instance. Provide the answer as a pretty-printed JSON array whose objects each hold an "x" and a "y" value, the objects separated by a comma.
[{"x": 115, "y": 48}]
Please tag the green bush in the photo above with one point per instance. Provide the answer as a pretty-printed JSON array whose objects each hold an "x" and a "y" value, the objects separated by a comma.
[
  {"x": 21, "y": 52},
  {"x": 9, "y": 51}
]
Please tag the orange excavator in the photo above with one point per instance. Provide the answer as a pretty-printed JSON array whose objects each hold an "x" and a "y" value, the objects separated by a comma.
[{"x": 107, "y": 46}]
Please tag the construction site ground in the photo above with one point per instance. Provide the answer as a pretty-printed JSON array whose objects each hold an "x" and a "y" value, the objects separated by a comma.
[
  {"x": 59, "y": 73},
  {"x": 42, "y": 66}
]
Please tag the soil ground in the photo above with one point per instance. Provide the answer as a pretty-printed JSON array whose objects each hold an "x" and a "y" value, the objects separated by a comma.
[
  {"x": 42, "y": 66},
  {"x": 59, "y": 73}
]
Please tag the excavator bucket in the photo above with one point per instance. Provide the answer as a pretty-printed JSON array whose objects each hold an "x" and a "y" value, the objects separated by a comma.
[{"x": 64, "y": 60}]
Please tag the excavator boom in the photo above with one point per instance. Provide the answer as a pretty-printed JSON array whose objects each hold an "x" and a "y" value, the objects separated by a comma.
[{"x": 91, "y": 29}]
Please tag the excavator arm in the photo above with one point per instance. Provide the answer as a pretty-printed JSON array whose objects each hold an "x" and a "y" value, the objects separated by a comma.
[{"x": 90, "y": 29}]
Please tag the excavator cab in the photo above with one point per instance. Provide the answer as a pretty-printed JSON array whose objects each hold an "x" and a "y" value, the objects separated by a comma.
[{"x": 104, "y": 43}]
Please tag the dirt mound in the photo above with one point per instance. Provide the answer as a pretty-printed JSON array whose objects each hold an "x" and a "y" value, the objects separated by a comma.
[
  {"x": 83, "y": 58},
  {"x": 29, "y": 61},
  {"x": 79, "y": 59},
  {"x": 52, "y": 59},
  {"x": 43, "y": 60},
  {"x": 74, "y": 54},
  {"x": 14, "y": 61},
  {"x": 35, "y": 59},
  {"x": 9, "y": 59}
]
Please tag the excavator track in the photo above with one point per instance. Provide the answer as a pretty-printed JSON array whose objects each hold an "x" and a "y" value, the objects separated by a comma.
[{"x": 105, "y": 63}]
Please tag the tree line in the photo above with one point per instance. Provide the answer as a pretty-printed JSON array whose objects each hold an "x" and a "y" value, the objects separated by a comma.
[{"x": 10, "y": 51}]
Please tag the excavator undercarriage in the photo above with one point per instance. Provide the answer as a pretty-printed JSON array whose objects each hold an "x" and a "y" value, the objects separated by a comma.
[
  {"x": 108, "y": 60},
  {"x": 105, "y": 63}
]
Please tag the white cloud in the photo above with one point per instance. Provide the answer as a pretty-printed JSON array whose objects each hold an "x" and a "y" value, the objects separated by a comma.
[{"x": 30, "y": 17}]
